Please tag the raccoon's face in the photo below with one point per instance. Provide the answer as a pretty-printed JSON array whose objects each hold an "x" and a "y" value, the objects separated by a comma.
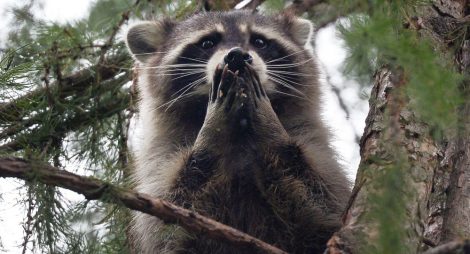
[{"x": 179, "y": 59}]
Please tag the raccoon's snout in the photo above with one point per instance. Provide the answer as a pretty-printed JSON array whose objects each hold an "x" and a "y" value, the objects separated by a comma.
[{"x": 236, "y": 59}]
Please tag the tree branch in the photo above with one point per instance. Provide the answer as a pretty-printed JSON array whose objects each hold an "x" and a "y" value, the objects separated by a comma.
[
  {"x": 75, "y": 82},
  {"x": 15, "y": 128},
  {"x": 298, "y": 7},
  {"x": 392, "y": 130},
  {"x": 94, "y": 189},
  {"x": 108, "y": 108},
  {"x": 450, "y": 247},
  {"x": 252, "y": 5}
]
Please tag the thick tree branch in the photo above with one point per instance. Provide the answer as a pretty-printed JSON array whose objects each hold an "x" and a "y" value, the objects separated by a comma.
[
  {"x": 449, "y": 218},
  {"x": 94, "y": 189},
  {"x": 451, "y": 247},
  {"x": 391, "y": 129},
  {"x": 439, "y": 178}
]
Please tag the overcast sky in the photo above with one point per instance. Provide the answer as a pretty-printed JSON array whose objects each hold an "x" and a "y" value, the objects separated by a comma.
[{"x": 331, "y": 55}]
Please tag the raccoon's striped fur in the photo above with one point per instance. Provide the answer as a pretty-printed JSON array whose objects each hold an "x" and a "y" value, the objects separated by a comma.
[{"x": 231, "y": 128}]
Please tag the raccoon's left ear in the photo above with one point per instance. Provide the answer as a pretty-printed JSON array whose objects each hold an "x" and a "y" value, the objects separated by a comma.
[
  {"x": 302, "y": 31},
  {"x": 145, "y": 38}
]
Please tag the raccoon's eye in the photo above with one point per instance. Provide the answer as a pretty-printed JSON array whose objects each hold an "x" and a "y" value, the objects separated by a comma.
[
  {"x": 207, "y": 44},
  {"x": 259, "y": 43}
]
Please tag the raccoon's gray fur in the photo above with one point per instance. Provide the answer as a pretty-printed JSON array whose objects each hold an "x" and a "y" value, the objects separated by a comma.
[{"x": 231, "y": 128}]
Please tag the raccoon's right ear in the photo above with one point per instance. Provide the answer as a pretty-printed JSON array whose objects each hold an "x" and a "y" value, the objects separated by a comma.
[{"x": 144, "y": 38}]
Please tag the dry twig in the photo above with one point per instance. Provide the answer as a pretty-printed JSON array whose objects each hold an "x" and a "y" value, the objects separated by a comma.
[
  {"x": 450, "y": 247},
  {"x": 94, "y": 189}
]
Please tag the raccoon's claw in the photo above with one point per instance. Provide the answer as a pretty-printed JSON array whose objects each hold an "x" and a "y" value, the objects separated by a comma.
[
  {"x": 227, "y": 81},
  {"x": 215, "y": 83},
  {"x": 237, "y": 95},
  {"x": 223, "y": 79},
  {"x": 254, "y": 80}
]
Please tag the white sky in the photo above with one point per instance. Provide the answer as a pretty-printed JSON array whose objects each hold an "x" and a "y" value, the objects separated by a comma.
[{"x": 331, "y": 54}]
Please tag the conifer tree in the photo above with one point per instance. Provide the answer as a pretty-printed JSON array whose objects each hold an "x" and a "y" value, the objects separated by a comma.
[{"x": 67, "y": 98}]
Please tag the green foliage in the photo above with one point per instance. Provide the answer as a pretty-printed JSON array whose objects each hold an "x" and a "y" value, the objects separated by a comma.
[
  {"x": 84, "y": 129},
  {"x": 377, "y": 37},
  {"x": 78, "y": 129},
  {"x": 11, "y": 75},
  {"x": 273, "y": 6},
  {"x": 388, "y": 205}
]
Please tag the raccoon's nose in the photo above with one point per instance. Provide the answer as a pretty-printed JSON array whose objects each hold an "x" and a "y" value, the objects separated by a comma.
[{"x": 237, "y": 58}]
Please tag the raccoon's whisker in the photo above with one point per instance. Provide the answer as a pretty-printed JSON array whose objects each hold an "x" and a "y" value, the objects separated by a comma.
[
  {"x": 291, "y": 73},
  {"x": 200, "y": 60},
  {"x": 163, "y": 67},
  {"x": 181, "y": 74},
  {"x": 182, "y": 95},
  {"x": 286, "y": 79},
  {"x": 286, "y": 85},
  {"x": 174, "y": 100},
  {"x": 172, "y": 66},
  {"x": 202, "y": 51},
  {"x": 185, "y": 95},
  {"x": 288, "y": 94},
  {"x": 169, "y": 103},
  {"x": 178, "y": 71},
  {"x": 175, "y": 69},
  {"x": 188, "y": 87},
  {"x": 188, "y": 74},
  {"x": 178, "y": 74},
  {"x": 284, "y": 66},
  {"x": 172, "y": 69},
  {"x": 280, "y": 58},
  {"x": 151, "y": 53}
]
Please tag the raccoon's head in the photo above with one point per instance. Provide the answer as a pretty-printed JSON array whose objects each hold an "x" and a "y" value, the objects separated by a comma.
[{"x": 178, "y": 59}]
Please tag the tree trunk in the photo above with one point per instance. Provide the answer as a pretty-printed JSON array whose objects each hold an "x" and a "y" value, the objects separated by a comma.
[{"x": 434, "y": 177}]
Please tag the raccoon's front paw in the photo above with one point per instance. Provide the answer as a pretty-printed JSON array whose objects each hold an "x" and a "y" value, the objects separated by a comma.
[
  {"x": 239, "y": 107},
  {"x": 233, "y": 95},
  {"x": 267, "y": 123}
]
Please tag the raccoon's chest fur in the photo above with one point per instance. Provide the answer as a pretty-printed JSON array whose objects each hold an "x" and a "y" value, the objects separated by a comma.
[
  {"x": 235, "y": 199},
  {"x": 231, "y": 128}
]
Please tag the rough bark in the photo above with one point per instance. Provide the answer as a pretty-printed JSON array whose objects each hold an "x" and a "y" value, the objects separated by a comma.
[
  {"x": 451, "y": 247},
  {"x": 436, "y": 178},
  {"x": 94, "y": 189},
  {"x": 449, "y": 218},
  {"x": 389, "y": 121}
]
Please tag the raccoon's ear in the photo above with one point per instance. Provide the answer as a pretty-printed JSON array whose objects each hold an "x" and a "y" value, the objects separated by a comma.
[
  {"x": 302, "y": 31},
  {"x": 146, "y": 37}
]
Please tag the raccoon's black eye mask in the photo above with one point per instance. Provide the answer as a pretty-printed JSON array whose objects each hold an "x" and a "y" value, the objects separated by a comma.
[
  {"x": 209, "y": 41},
  {"x": 259, "y": 41}
]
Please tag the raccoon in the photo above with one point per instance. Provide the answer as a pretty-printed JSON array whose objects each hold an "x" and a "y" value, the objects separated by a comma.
[{"x": 231, "y": 128}]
